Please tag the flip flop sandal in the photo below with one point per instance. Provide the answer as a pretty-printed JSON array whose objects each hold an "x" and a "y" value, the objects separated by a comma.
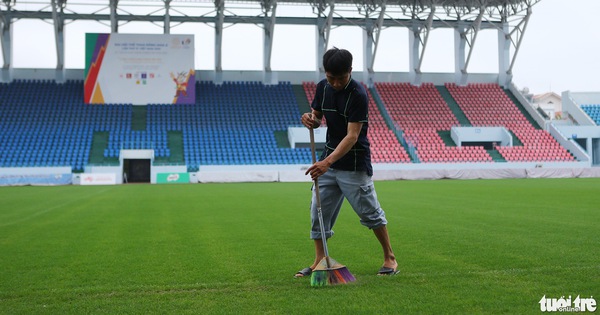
[
  {"x": 387, "y": 271},
  {"x": 303, "y": 273}
]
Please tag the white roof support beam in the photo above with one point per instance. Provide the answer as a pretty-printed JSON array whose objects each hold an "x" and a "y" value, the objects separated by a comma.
[
  {"x": 419, "y": 16},
  {"x": 504, "y": 77},
  {"x": 167, "y": 21},
  {"x": 508, "y": 38},
  {"x": 323, "y": 27},
  {"x": 464, "y": 40},
  {"x": 418, "y": 44},
  {"x": 516, "y": 36},
  {"x": 114, "y": 23},
  {"x": 269, "y": 8},
  {"x": 59, "y": 35},
  {"x": 471, "y": 36},
  {"x": 6, "y": 40},
  {"x": 372, "y": 32},
  {"x": 219, "y": 19}
]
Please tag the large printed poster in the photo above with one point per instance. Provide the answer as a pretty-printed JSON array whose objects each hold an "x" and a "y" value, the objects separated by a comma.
[{"x": 139, "y": 69}]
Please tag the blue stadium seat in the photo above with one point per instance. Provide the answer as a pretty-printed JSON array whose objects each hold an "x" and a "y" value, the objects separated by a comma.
[{"x": 593, "y": 111}]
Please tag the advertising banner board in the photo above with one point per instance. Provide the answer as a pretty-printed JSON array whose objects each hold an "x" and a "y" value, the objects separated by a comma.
[
  {"x": 172, "y": 178},
  {"x": 139, "y": 69}
]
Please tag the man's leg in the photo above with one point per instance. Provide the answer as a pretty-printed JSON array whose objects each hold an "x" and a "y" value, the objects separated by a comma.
[
  {"x": 319, "y": 253},
  {"x": 331, "y": 202},
  {"x": 388, "y": 254},
  {"x": 359, "y": 190}
]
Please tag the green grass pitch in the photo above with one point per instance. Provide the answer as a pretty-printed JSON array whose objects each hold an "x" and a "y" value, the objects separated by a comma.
[{"x": 464, "y": 247}]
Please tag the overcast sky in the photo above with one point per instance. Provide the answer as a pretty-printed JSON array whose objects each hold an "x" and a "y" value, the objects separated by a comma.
[{"x": 560, "y": 50}]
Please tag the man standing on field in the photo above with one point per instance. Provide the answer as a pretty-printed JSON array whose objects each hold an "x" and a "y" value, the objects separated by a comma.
[{"x": 344, "y": 169}]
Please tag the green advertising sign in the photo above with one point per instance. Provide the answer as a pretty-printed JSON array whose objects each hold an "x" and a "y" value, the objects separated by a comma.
[{"x": 172, "y": 178}]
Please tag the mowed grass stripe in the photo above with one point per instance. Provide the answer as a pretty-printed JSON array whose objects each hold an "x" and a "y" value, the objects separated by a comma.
[{"x": 476, "y": 246}]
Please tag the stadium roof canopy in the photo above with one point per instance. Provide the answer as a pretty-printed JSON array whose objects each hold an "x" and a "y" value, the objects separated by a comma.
[{"x": 466, "y": 17}]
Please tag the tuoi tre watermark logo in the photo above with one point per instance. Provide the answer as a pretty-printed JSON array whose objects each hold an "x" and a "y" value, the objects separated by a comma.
[{"x": 563, "y": 304}]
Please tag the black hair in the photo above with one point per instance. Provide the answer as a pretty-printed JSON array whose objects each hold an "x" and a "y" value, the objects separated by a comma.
[{"x": 337, "y": 61}]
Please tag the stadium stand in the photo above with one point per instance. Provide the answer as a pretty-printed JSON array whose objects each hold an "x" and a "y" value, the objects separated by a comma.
[
  {"x": 229, "y": 124},
  {"x": 486, "y": 104},
  {"x": 422, "y": 113},
  {"x": 235, "y": 124},
  {"x": 45, "y": 124}
]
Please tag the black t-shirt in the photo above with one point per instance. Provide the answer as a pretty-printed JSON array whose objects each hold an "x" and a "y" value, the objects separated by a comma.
[{"x": 350, "y": 104}]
